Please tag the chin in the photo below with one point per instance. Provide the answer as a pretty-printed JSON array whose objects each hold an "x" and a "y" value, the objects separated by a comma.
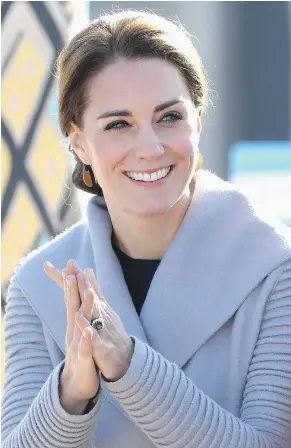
[{"x": 151, "y": 208}]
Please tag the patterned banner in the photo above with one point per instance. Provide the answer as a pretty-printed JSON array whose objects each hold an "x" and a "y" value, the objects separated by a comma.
[{"x": 35, "y": 163}]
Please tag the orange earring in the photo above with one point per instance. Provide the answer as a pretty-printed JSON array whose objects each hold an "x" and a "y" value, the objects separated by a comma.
[
  {"x": 87, "y": 176},
  {"x": 199, "y": 162}
]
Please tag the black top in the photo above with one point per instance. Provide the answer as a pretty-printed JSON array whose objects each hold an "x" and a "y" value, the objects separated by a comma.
[{"x": 138, "y": 275}]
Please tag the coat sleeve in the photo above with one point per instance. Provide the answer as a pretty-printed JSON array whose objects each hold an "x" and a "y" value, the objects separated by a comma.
[
  {"x": 174, "y": 413},
  {"x": 32, "y": 415}
]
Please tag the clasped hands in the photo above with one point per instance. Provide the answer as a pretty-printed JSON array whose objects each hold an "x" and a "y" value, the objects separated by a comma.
[{"x": 109, "y": 350}]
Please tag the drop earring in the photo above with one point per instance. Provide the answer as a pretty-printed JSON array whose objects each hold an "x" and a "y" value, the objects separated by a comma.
[
  {"x": 87, "y": 176},
  {"x": 199, "y": 162}
]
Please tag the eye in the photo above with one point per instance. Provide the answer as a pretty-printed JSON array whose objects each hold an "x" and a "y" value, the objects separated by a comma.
[
  {"x": 171, "y": 117},
  {"x": 117, "y": 125}
]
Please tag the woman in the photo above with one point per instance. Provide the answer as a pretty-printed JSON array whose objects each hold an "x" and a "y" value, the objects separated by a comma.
[{"x": 185, "y": 339}]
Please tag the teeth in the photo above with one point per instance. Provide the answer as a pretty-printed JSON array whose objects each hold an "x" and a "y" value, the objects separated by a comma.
[{"x": 148, "y": 177}]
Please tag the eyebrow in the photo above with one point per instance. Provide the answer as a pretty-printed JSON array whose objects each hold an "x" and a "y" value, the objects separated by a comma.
[{"x": 127, "y": 113}]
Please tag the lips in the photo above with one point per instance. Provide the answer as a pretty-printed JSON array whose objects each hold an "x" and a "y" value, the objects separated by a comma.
[
  {"x": 150, "y": 181},
  {"x": 147, "y": 177},
  {"x": 154, "y": 170}
]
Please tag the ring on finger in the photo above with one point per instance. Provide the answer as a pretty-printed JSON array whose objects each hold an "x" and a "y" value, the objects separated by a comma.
[{"x": 98, "y": 324}]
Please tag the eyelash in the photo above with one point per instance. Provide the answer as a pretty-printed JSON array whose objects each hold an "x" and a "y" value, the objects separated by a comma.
[{"x": 175, "y": 116}]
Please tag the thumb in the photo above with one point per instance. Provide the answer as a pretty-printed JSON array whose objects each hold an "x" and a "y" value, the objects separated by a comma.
[
  {"x": 53, "y": 273},
  {"x": 85, "y": 344}
]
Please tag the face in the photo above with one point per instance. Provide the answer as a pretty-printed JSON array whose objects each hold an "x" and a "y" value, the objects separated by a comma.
[{"x": 140, "y": 135}]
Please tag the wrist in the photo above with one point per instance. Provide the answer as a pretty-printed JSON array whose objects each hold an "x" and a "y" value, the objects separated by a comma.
[
  {"x": 72, "y": 405},
  {"x": 123, "y": 368}
]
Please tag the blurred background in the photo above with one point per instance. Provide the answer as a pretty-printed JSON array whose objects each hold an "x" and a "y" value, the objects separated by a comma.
[{"x": 246, "y": 49}]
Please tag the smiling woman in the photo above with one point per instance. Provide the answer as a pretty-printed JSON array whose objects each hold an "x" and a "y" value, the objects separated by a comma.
[
  {"x": 184, "y": 340},
  {"x": 127, "y": 55},
  {"x": 147, "y": 136}
]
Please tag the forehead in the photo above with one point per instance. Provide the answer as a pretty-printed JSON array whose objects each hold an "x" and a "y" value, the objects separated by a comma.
[{"x": 127, "y": 83}]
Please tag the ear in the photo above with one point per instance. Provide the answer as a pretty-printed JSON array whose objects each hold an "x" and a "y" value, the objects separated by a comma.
[{"x": 77, "y": 145}]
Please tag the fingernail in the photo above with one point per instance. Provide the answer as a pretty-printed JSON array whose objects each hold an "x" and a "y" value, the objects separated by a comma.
[
  {"x": 69, "y": 279},
  {"x": 48, "y": 264}
]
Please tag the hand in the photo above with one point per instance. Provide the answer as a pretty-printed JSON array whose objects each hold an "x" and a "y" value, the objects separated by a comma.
[
  {"x": 71, "y": 268},
  {"x": 79, "y": 380},
  {"x": 112, "y": 347}
]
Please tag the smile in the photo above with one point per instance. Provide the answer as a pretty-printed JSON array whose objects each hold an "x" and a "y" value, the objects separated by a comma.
[{"x": 148, "y": 177}]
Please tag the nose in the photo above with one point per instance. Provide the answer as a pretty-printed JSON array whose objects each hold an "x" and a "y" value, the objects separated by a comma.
[{"x": 148, "y": 144}]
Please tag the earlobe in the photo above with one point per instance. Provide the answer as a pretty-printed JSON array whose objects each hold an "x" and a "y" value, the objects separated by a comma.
[{"x": 76, "y": 144}]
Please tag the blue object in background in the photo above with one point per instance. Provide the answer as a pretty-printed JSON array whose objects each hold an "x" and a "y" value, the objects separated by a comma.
[{"x": 263, "y": 171}]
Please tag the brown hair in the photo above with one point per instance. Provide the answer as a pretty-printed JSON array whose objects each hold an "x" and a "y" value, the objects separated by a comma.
[{"x": 127, "y": 34}]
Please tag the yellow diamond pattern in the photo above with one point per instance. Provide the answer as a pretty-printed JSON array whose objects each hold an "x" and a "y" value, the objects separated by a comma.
[
  {"x": 20, "y": 229},
  {"x": 22, "y": 87},
  {"x": 6, "y": 166},
  {"x": 48, "y": 164}
]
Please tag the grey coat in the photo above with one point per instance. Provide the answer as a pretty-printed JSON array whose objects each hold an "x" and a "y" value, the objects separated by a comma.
[{"x": 212, "y": 360}]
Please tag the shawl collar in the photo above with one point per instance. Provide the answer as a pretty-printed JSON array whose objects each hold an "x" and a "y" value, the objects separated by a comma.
[{"x": 221, "y": 251}]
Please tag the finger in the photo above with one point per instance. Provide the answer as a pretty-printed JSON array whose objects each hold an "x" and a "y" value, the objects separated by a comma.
[
  {"x": 101, "y": 308},
  {"x": 73, "y": 267},
  {"x": 95, "y": 285},
  {"x": 53, "y": 273},
  {"x": 96, "y": 341},
  {"x": 75, "y": 340},
  {"x": 85, "y": 344},
  {"x": 83, "y": 323},
  {"x": 73, "y": 305},
  {"x": 88, "y": 304},
  {"x": 70, "y": 329},
  {"x": 64, "y": 274},
  {"x": 97, "y": 305},
  {"x": 83, "y": 284},
  {"x": 89, "y": 307}
]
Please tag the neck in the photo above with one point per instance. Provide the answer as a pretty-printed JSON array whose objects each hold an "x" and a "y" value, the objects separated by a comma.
[{"x": 148, "y": 237}]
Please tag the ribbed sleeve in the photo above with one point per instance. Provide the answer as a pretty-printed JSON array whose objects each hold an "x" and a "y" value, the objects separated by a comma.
[
  {"x": 32, "y": 416},
  {"x": 174, "y": 413}
]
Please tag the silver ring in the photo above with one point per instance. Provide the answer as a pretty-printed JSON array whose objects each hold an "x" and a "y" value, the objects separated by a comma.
[{"x": 98, "y": 324}]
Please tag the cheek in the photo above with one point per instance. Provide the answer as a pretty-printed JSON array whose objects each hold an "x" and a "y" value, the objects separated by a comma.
[
  {"x": 182, "y": 139},
  {"x": 185, "y": 146},
  {"x": 106, "y": 155}
]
